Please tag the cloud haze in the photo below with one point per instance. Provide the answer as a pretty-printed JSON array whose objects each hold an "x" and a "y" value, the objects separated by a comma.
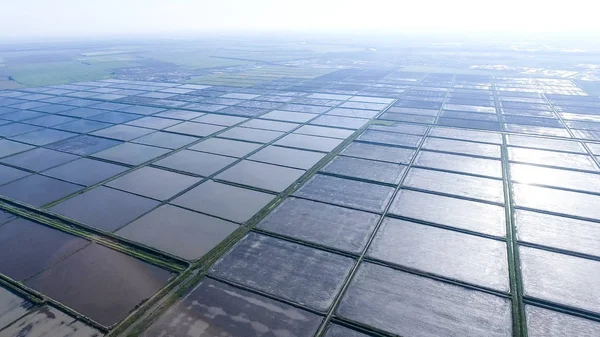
[{"x": 41, "y": 18}]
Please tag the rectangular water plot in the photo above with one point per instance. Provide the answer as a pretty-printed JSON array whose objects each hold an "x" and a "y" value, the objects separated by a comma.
[
  {"x": 38, "y": 190},
  {"x": 560, "y": 278},
  {"x": 459, "y": 163},
  {"x": 195, "y": 129},
  {"x": 346, "y": 192},
  {"x": 379, "y": 152},
  {"x": 530, "y": 174},
  {"x": 12, "y": 307},
  {"x": 101, "y": 283},
  {"x": 287, "y": 157},
  {"x": 390, "y": 138},
  {"x": 558, "y": 232},
  {"x": 178, "y": 231},
  {"x": 265, "y": 176},
  {"x": 165, "y": 139},
  {"x": 226, "y": 147},
  {"x": 122, "y": 132},
  {"x": 547, "y": 323},
  {"x": 28, "y": 248},
  {"x": 462, "y": 147},
  {"x": 459, "y": 256},
  {"x": 251, "y": 135},
  {"x": 105, "y": 208},
  {"x": 461, "y": 185},
  {"x": 193, "y": 316},
  {"x": 552, "y": 158},
  {"x": 332, "y": 226},
  {"x": 306, "y": 142},
  {"x": 131, "y": 154},
  {"x": 557, "y": 201},
  {"x": 301, "y": 274},
  {"x": 153, "y": 183},
  {"x": 38, "y": 159},
  {"x": 419, "y": 306},
  {"x": 459, "y": 213},
  {"x": 85, "y": 171},
  {"x": 377, "y": 171},
  {"x": 48, "y": 321},
  {"x": 225, "y": 201},
  {"x": 203, "y": 164}
]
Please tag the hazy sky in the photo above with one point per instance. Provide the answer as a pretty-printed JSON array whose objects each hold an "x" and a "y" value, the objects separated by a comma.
[{"x": 39, "y": 18}]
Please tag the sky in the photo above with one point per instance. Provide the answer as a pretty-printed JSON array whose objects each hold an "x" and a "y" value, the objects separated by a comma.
[{"x": 84, "y": 18}]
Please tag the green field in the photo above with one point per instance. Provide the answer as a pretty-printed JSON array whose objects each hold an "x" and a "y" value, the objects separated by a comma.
[
  {"x": 37, "y": 65},
  {"x": 108, "y": 58},
  {"x": 193, "y": 59},
  {"x": 50, "y": 73},
  {"x": 38, "y": 68},
  {"x": 233, "y": 61},
  {"x": 447, "y": 70},
  {"x": 104, "y": 53},
  {"x": 9, "y": 85}
]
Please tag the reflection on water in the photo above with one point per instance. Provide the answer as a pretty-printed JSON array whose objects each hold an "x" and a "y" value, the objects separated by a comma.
[{"x": 217, "y": 309}]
